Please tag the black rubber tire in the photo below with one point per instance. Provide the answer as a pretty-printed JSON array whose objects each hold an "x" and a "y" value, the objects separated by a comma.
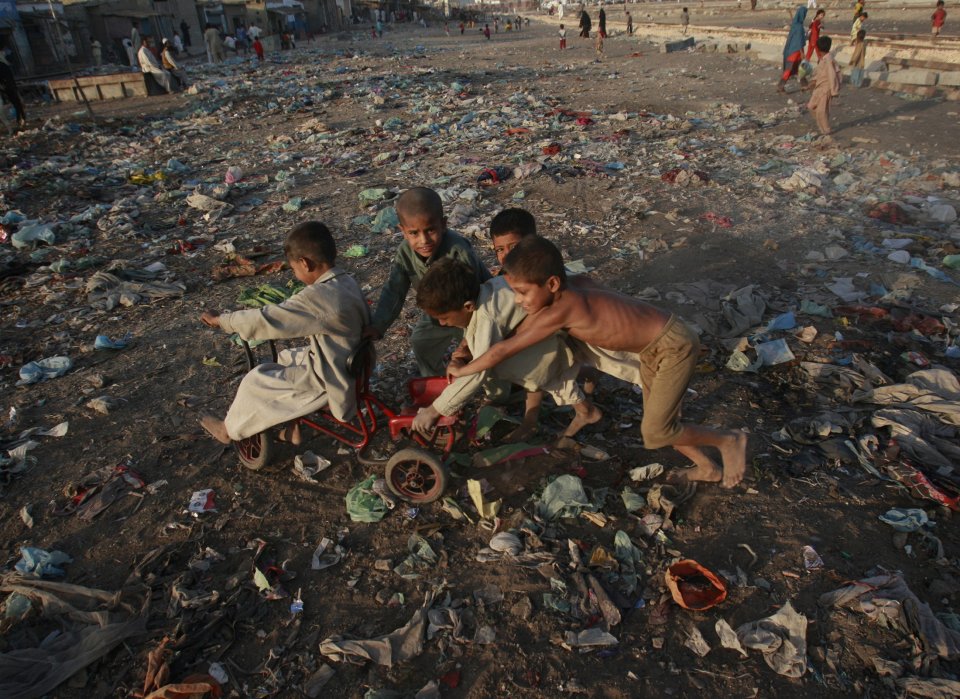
[
  {"x": 254, "y": 452},
  {"x": 416, "y": 476}
]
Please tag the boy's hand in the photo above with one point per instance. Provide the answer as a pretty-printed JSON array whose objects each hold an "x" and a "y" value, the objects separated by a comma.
[
  {"x": 211, "y": 319},
  {"x": 454, "y": 364},
  {"x": 425, "y": 420},
  {"x": 371, "y": 333}
]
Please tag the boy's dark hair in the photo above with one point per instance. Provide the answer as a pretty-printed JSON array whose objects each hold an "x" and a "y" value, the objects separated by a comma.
[
  {"x": 819, "y": 12},
  {"x": 519, "y": 221},
  {"x": 419, "y": 200},
  {"x": 864, "y": 15},
  {"x": 535, "y": 260},
  {"x": 446, "y": 286},
  {"x": 311, "y": 240},
  {"x": 824, "y": 43},
  {"x": 861, "y": 35}
]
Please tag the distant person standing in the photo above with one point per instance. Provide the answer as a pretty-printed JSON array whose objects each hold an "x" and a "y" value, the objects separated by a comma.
[
  {"x": 254, "y": 32},
  {"x": 816, "y": 26},
  {"x": 486, "y": 31},
  {"x": 602, "y": 23},
  {"x": 585, "y": 24},
  {"x": 96, "y": 51},
  {"x": 169, "y": 62},
  {"x": 858, "y": 59},
  {"x": 135, "y": 43},
  {"x": 629, "y": 25},
  {"x": 685, "y": 20},
  {"x": 258, "y": 48},
  {"x": 937, "y": 19},
  {"x": 242, "y": 45},
  {"x": 177, "y": 43},
  {"x": 857, "y": 26},
  {"x": 185, "y": 30},
  {"x": 8, "y": 86},
  {"x": 793, "y": 49},
  {"x": 148, "y": 64},
  {"x": 131, "y": 52},
  {"x": 563, "y": 37},
  {"x": 519, "y": 23},
  {"x": 214, "y": 44}
]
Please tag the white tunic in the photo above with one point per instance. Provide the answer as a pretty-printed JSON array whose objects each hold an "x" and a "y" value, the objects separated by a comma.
[
  {"x": 548, "y": 365},
  {"x": 331, "y": 312}
]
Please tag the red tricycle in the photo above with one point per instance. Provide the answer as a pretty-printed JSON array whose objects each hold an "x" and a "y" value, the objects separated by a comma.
[{"x": 415, "y": 473}]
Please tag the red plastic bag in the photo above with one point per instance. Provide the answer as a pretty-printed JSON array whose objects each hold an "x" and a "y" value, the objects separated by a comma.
[{"x": 694, "y": 587}]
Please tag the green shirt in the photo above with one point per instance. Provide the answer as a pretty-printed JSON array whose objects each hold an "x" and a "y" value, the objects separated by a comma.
[{"x": 408, "y": 269}]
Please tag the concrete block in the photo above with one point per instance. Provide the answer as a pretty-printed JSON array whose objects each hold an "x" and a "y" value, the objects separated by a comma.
[
  {"x": 673, "y": 46},
  {"x": 950, "y": 79},
  {"x": 913, "y": 76}
]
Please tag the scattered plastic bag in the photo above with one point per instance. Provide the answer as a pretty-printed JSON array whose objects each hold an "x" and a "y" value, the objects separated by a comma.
[
  {"x": 363, "y": 505},
  {"x": 40, "y": 563},
  {"x": 44, "y": 369}
]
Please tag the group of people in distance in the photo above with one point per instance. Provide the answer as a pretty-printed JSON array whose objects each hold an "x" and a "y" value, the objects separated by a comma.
[{"x": 533, "y": 325}]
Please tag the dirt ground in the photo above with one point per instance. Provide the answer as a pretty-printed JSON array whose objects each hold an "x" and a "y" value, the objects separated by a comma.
[{"x": 347, "y": 114}]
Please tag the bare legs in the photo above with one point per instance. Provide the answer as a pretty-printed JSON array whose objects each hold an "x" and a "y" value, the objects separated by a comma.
[
  {"x": 732, "y": 445},
  {"x": 585, "y": 413}
]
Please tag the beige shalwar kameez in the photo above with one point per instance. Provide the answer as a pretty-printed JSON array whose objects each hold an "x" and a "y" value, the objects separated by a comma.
[
  {"x": 826, "y": 86},
  {"x": 332, "y": 313},
  {"x": 548, "y": 365}
]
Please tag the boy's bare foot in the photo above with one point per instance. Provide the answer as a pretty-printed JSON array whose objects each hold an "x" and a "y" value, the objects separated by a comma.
[
  {"x": 700, "y": 474},
  {"x": 586, "y": 414},
  {"x": 291, "y": 433},
  {"x": 734, "y": 454},
  {"x": 704, "y": 468},
  {"x": 215, "y": 428}
]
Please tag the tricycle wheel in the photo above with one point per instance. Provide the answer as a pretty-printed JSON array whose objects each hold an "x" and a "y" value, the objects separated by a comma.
[
  {"x": 416, "y": 476},
  {"x": 254, "y": 452}
]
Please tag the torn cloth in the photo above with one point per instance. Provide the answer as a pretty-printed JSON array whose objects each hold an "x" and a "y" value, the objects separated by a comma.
[
  {"x": 395, "y": 647},
  {"x": 875, "y": 593},
  {"x": 924, "y": 438},
  {"x": 740, "y": 310},
  {"x": 106, "y": 291},
  {"x": 96, "y": 621},
  {"x": 935, "y": 391},
  {"x": 782, "y": 638}
]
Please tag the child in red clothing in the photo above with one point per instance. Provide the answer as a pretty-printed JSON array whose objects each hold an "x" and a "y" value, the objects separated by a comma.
[
  {"x": 816, "y": 26},
  {"x": 938, "y": 17},
  {"x": 258, "y": 48}
]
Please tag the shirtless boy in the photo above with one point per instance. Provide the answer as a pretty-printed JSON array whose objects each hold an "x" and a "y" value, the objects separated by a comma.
[{"x": 666, "y": 353}]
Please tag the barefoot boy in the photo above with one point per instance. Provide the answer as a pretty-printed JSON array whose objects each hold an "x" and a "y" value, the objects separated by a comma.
[
  {"x": 825, "y": 86},
  {"x": 488, "y": 313},
  {"x": 330, "y": 311},
  {"x": 605, "y": 321},
  {"x": 507, "y": 229},
  {"x": 425, "y": 241}
]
